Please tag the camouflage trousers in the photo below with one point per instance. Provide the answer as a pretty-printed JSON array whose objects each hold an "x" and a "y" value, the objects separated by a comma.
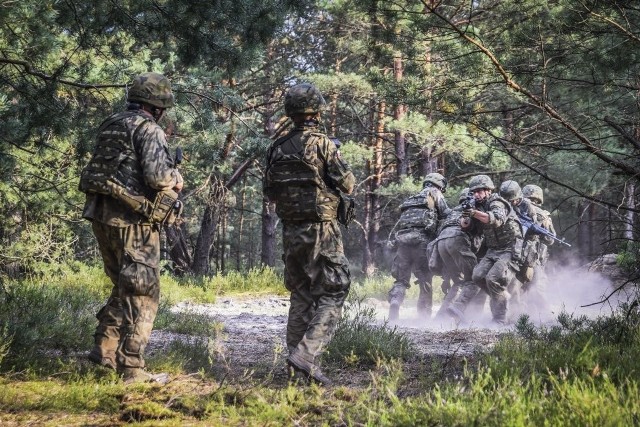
[
  {"x": 493, "y": 274},
  {"x": 131, "y": 257},
  {"x": 453, "y": 257},
  {"x": 412, "y": 258},
  {"x": 317, "y": 275}
]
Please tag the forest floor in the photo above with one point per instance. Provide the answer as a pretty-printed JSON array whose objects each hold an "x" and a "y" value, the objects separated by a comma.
[{"x": 252, "y": 345}]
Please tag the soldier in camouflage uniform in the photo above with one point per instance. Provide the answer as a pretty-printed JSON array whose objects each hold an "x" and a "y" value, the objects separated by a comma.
[
  {"x": 503, "y": 238},
  {"x": 416, "y": 228},
  {"x": 454, "y": 256},
  {"x": 536, "y": 288},
  {"x": 130, "y": 175},
  {"x": 304, "y": 176}
]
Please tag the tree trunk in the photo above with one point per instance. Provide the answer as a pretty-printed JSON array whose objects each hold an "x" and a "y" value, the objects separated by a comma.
[
  {"x": 585, "y": 229},
  {"x": 402, "y": 168},
  {"x": 178, "y": 249},
  {"x": 372, "y": 209},
  {"x": 269, "y": 227},
  {"x": 208, "y": 227}
]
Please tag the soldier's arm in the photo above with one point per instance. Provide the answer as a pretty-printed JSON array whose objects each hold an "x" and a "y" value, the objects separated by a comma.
[
  {"x": 157, "y": 164},
  {"x": 496, "y": 215},
  {"x": 338, "y": 171},
  {"x": 442, "y": 207}
]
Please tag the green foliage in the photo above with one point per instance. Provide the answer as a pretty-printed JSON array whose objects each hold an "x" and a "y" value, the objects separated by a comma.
[
  {"x": 360, "y": 340},
  {"x": 579, "y": 372},
  {"x": 47, "y": 319},
  {"x": 629, "y": 257}
]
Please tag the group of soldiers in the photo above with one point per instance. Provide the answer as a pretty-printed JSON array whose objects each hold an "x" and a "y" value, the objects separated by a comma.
[
  {"x": 132, "y": 184},
  {"x": 491, "y": 245}
]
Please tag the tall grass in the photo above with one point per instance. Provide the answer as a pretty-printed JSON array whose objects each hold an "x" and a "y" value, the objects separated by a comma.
[{"x": 578, "y": 372}]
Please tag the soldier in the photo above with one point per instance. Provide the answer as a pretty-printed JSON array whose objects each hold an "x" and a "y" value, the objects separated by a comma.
[
  {"x": 304, "y": 177},
  {"x": 510, "y": 191},
  {"x": 454, "y": 255},
  {"x": 131, "y": 184},
  {"x": 503, "y": 238},
  {"x": 416, "y": 229},
  {"x": 536, "y": 288}
]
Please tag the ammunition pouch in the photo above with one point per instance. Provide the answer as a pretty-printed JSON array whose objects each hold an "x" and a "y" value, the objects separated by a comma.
[
  {"x": 166, "y": 208},
  {"x": 412, "y": 236},
  {"x": 346, "y": 210}
]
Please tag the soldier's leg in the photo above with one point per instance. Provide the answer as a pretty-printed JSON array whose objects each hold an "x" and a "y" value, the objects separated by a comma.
[
  {"x": 497, "y": 280},
  {"x": 298, "y": 243},
  {"x": 470, "y": 289},
  {"x": 302, "y": 308},
  {"x": 140, "y": 293},
  {"x": 451, "y": 294},
  {"x": 401, "y": 272},
  {"x": 107, "y": 333},
  {"x": 424, "y": 280},
  {"x": 329, "y": 288}
]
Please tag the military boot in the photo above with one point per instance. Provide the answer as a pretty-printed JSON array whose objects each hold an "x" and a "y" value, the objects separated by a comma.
[
  {"x": 396, "y": 297},
  {"x": 139, "y": 375},
  {"x": 310, "y": 370},
  {"x": 104, "y": 350},
  {"x": 498, "y": 305},
  {"x": 458, "y": 307},
  {"x": 425, "y": 301}
]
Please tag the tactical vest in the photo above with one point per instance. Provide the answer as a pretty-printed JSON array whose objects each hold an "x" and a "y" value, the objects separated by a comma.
[
  {"x": 419, "y": 211},
  {"x": 301, "y": 194},
  {"x": 509, "y": 234},
  {"x": 452, "y": 220},
  {"x": 114, "y": 157}
]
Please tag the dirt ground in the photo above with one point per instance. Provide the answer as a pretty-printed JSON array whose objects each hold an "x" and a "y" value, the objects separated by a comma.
[{"x": 252, "y": 344}]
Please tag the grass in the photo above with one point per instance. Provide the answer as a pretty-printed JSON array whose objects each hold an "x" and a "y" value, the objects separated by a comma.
[{"x": 578, "y": 372}]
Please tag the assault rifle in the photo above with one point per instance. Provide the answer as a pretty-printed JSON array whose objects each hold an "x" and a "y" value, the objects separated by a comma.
[
  {"x": 469, "y": 202},
  {"x": 529, "y": 225}
]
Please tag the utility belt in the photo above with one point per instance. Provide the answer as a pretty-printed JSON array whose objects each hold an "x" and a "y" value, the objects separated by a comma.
[{"x": 165, "y": 208}]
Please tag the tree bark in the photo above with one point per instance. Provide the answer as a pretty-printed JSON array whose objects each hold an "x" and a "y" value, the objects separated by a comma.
[
  {"x": 269, "y": 227},
  {"x": 372, "y": 208},
  {"x": 402, "y": 168}
]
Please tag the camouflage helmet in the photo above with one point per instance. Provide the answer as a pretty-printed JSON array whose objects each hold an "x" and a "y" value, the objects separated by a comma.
[
  {"x": 510, "y": 190},
  {"x": 533, "y": 192},
  {"x": 463, "y": 195},
  {"x": 151, "y": 88},
  {"x": 480, "y": 182},
  {"x": 437, "y": 180},
  {"x": 303, "y": 98}
]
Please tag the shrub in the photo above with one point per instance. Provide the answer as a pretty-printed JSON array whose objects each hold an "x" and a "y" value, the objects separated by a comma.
[{"x": 360, "y": 340}]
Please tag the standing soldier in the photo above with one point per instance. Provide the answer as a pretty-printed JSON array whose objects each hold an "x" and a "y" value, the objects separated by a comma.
[
  {"x": 304, "y": 176},
  {"x": 536, "y": 288},
  {"x": 454, "y": 254},
  {"x": 131, "y": 184},
  {"x": 503, "y": 238},
  {"x": 416, "y": 229}
]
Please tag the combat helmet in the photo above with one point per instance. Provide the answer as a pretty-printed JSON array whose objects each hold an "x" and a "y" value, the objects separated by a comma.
[
  {"x": 510, "y": 190},
  {"x": 151, "y": 88},
  {"x": 533, "y": 193},
  {"x": 437, "y": 180},
  {"x": 480, "y": 182},
  {"x": 303, "y": 98}
]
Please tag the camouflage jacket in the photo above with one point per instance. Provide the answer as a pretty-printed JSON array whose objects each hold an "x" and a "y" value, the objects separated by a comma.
[
  {"x": 304, "y": 176},
  {"x": 153, "y": 167}
]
